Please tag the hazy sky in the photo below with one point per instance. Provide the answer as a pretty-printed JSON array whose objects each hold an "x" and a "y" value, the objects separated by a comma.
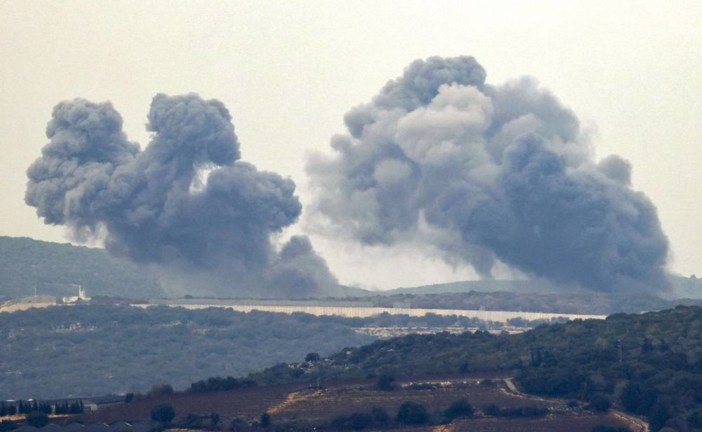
[{"x": 289, "y": 71}]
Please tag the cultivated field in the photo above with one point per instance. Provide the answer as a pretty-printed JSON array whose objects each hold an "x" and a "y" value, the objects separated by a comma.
[{"x": 302, "y": 406}]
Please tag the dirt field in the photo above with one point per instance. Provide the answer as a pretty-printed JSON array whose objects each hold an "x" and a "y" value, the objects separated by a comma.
[{"x": 310, "y": 406}]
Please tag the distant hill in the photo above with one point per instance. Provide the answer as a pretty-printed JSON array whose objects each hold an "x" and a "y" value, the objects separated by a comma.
[
  {"x": 55, "y": 269},
  {"x": 681, "y": 287},
  {"x": 489, "y": 285}
]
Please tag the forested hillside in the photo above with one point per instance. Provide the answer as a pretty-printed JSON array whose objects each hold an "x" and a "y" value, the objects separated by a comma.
[
  {"x": 91, "y": 350},
  {"x": 95, "y": 350},
  {"x": 55, "y": 269},
  {"x": 646, "y": 364}
]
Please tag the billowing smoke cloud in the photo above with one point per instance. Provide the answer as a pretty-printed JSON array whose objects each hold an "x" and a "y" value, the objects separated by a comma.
[
  {"x": 485, "y": 174},
  {"x": 186, "y": 203}
]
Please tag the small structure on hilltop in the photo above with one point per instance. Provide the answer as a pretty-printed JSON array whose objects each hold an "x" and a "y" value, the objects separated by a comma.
[{"x": 81, "y": 297}]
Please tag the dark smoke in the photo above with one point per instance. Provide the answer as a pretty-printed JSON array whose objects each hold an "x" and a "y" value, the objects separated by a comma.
[
  {"x": 186, "y": 203},
  {"x": 485, "y": 174}
]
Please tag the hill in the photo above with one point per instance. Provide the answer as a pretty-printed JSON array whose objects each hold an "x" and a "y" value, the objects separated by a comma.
[
  {"x": 55, "y": 269},
  {"x": 680, "y": 288},
  {"x": 645, "y": 364},
  {"x": 89, "y": 350}
]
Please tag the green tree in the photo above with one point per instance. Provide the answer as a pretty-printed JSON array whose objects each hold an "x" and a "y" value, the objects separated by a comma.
[
  {"x": 163, "y": 413},
  {"x": 37, "y": 419},
  {"x": 412, "y": 413},
  {"x": 265, "y": 419},
  {"x": 459, "y": 408},
  {"x": 385, "y": 382},
  {"x": 600, "y": 403},
  {"x": 312, "y": 357}
]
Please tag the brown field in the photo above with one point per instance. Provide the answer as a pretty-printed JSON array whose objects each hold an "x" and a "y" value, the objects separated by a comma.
[{"x": 310, "y": 406}]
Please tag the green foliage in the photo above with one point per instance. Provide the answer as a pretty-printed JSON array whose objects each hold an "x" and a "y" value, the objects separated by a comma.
[
  {"x": 385, "y": 382},
  {"x": 91, "y": 350},
  {"x": 313, "y": 357},
  {"x": 647, "y": 364},
  {"x": 380, "y": 416},
  {"x": 163, "y": 413},
  {"x": 412, "y": 413},
  {"x": 37, "y": 419},
  {"x": 221, "y": 384},
  {"x": 355, "y": 421},
  {"x": 600, "y": 403},
  {"x": 459, "y": 408},
  {"x": 265, "y": 419}
]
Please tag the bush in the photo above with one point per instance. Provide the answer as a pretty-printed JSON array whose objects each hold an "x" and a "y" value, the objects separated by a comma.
[
  {"x": 527, "y": 411},
  {"x": 7, "y": 425},
  {"x": 163, "y": 413},
  {"x": 459, "y": 408},
  {"x": 265, "y": 419},
  {"x": 37, "y": 419},
  {"x": 412, "y": 413},
  {"x": 380, "y": 416},
  {"x": 600, "y": 403},
  {"x": 355, "y": 421},
  {"x": 312, "y": 357},
  {"x": 385, "y": 382}
]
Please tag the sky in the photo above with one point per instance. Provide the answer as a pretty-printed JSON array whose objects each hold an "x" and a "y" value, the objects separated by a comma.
[{"x": 289, "y": 71}]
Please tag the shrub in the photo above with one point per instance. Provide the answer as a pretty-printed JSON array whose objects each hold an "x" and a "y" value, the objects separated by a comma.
[
  {"x": 385, "y": 382},
  {"x": 163, "y": 413},
  {"x": 600, "y": 403},
  {"x": 355, "y": 421},
  {"x": 412, "y": 413},
  {"x": 312, "y": 357},
  {"x": 380, "y": 416},
  {"x": 37, "y": 419},
  {"x": 7, "y": 425},
  {"x": 459, "y": 408},
  {"x": 265, "y": 419}
]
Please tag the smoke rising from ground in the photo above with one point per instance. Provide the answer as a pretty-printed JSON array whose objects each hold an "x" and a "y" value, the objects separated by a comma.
[
  {"x": 484, "y": 174},
  {"x": 186, "y": 203}
]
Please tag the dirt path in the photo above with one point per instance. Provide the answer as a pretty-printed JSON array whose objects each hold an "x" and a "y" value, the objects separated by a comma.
[
  {"x": 634, "y": 423},
  {"x": 293, "y": 398}
]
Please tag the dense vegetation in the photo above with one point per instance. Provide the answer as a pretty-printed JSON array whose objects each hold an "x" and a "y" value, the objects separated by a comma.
[
  {"x": 88, "y": 350},
  {"x": 648, "y": 364},
  {"x": 54, "y": 269},
  {"x": 92, "y": 350}
]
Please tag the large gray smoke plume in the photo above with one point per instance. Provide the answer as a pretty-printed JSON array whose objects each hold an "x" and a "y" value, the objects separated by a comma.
[
  {"x": 488, "y": 173},
  {"x": 156, "y": 206}
]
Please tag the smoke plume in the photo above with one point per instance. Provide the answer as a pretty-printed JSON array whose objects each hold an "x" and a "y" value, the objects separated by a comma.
[
  {"x": 185, "y": 204},
  {"x": 487, "y": 174}
]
